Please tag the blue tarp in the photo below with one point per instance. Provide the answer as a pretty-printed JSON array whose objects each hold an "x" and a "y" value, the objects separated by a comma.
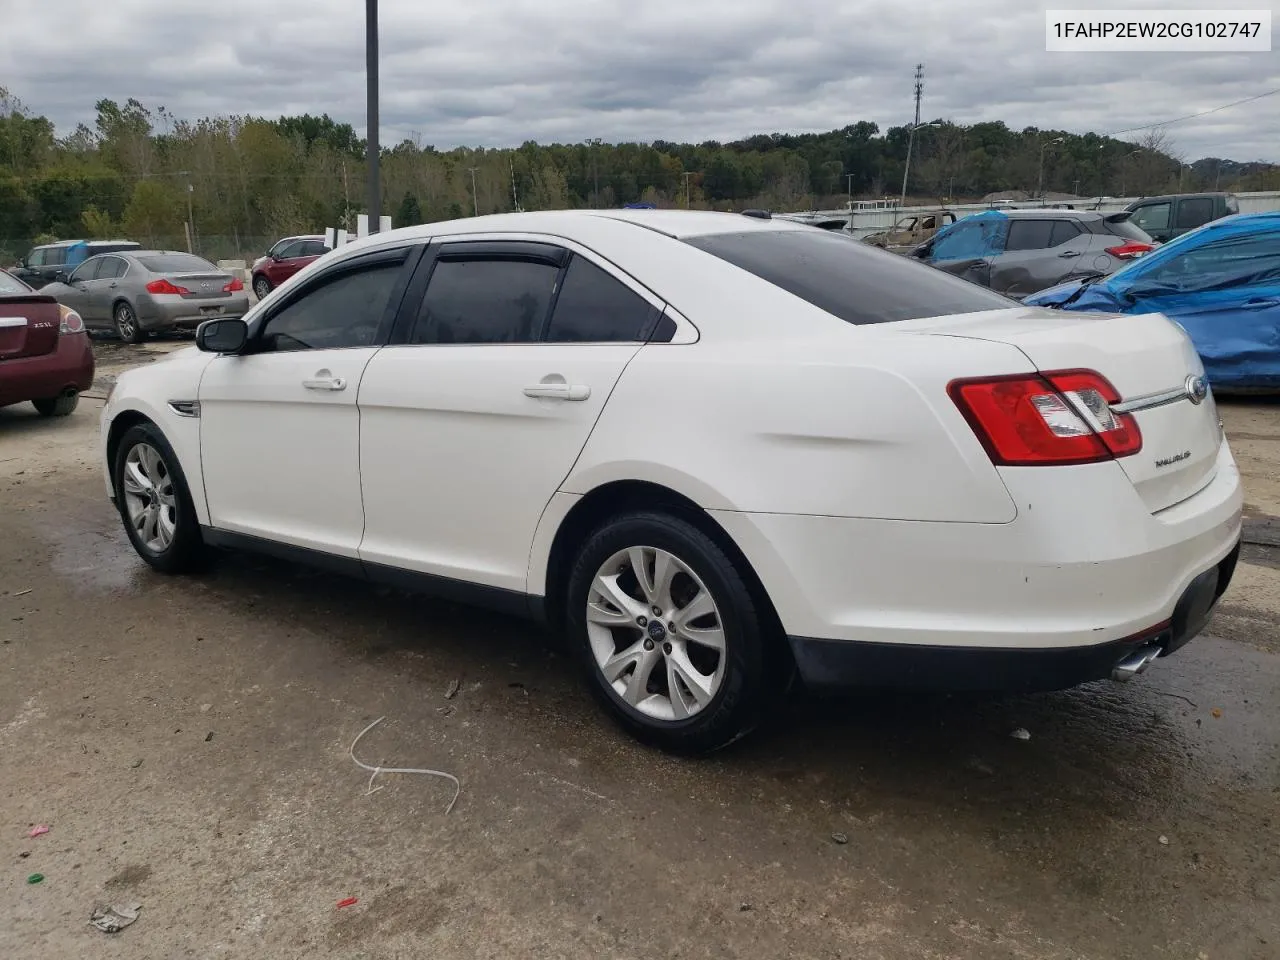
[
  {"x": 971, "y": 238},
  {"x": 1221, "y": 283},
  {"x": 76, "y": 253}
]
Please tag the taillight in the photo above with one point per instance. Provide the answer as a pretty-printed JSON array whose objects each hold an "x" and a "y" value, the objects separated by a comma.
[
  {"x": 71, "y": 322},
  {"x": 1130, "y": 250},
  {"x": 1045, "y": 419},
  {"x": 233, "y": 286},
  {"x": 164, "y": 286}
]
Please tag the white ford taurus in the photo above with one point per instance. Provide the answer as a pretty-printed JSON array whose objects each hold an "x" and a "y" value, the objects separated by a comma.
[{"x": 714, "y": 450}]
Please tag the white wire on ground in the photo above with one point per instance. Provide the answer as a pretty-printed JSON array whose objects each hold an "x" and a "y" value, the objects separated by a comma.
[{"x": 457, "y": 787}]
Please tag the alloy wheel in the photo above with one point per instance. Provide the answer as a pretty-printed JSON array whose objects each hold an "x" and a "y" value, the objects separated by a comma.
[
  {"x": 656, "y": 633},
  {"x": 150, "y": 498}
]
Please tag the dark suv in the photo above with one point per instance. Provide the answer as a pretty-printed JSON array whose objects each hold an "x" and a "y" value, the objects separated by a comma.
[
  {"x": 43, "y": 264},
  {"x": 1020, "y": 252},
  {"x": 1173, "y": 215}
]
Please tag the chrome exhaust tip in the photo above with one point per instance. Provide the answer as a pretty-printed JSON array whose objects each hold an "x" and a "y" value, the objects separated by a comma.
[{"x": 1134, "y": 663}]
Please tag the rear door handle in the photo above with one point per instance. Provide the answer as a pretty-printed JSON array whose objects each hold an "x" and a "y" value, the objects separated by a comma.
[
  {"x": 554, "y": 388},
  {"x": 1068, "y": 254},
  {"x": 322, "y": 382}
]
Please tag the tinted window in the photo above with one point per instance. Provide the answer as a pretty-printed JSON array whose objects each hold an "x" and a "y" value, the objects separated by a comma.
[
  {"x": 55, "y": 256},
  {"x": 111, "y": 268},
  {"x": 343, "y": 312},
  {"x": 1063, "y": 230},
  {"x": 485, "y": 301},
  {"x": 1153, "y": 217},
  {"x": 36, "y": 257},
  {"x": 1195, "y": 212},
  {"x": 86, "y": 271},
  {"x": 1028, "y": 235},
  {"x": 312, "y": 248},
  {"x": 176, "y": 263},
  {"x": 594, "y": 307},
  {"x": 1126, "y": 228},
  {"x": 290, "y": 250},
  {"x": 1230, "y": 262},
  {"x": 853, "y": 281},
  {"x": 11, "y": 284}
]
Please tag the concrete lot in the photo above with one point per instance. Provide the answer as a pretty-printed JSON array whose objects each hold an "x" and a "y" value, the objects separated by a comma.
[{"x": 187, "y": 742}]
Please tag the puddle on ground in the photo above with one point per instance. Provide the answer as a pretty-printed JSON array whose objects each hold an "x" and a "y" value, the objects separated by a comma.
[{"x": 91, "y": 558}]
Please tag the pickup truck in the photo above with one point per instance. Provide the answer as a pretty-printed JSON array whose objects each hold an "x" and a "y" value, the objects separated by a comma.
[
  {"x": 909, "y": 232},
  {"x": 1171, "y": 216}
]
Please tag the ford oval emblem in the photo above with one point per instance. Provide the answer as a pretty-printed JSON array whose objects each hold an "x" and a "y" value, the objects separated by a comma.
[{"x": 1197, "y": 389}]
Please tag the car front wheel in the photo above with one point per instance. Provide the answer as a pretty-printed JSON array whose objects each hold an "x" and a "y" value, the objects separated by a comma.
[
  {"x": 668, "y": 632},
  {"x": 154, "y": 502}
]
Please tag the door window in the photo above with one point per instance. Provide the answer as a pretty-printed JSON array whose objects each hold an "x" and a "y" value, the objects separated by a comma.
[
  {"x": 1222, "y": 265},
  {"x": 86, "y": 271},
  {"x": 594, "y": 307},
  {"x": 343, "y": 311},
  {"x": 1195, "y": 212},
  {"x": 1028, "y": 235},
  {"x": 1063, "y": 230},
  {"x": 111, "y": 268},
  {"x": 1154, "y": 216},
  {"x": 485, "y": 301},
  {"x": 55, "y": 256},
  {"x": 290, "y": 250},
  {"x": 312, "y": 248},
  {"x": 36, "y": 259}
]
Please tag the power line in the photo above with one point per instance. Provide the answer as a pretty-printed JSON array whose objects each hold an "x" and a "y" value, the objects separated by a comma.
[{"x": 1192, "y": 116}]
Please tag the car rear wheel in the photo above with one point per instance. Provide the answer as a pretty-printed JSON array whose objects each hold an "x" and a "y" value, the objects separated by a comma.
[
  {"x": 668, "y": 632},
  {"x": 261, "y": 287},
  {"x": 154, "y": 502},
  {"x": 127, "y": 326},
  {"x": 59, "y": 406}
]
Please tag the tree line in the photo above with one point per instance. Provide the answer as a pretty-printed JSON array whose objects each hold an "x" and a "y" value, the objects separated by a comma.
[{"x": 243, "y": 181}]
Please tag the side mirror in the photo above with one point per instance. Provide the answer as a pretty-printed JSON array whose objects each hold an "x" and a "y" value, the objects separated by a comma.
[
  {"x": 61, "y": 276},
  {"x": 225, "y": 335}
]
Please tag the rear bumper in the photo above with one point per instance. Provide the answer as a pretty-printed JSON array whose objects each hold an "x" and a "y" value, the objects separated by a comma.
[
  {"x": 165, "y": 312},
  {"x": 68, "y": 367},
  {"x": 843, "y": 664}
]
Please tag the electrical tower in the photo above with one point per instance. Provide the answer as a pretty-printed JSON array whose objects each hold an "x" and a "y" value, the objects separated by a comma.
[
  {"x": 911, "y": 136},
  {"x": 919, "y": 89}
]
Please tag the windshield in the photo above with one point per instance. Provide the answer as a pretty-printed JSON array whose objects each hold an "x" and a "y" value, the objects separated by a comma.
[
  {"x": 854, "y": 281},
  {"x": 11, "y": 284},
  {"x": 1162, "y": 254}
]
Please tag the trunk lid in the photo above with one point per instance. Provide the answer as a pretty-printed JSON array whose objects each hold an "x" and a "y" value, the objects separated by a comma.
[
  {"x": 1146, "y": 357},
  {"x": 28, "y": 325},
  {"x": 203, "y": 286}
]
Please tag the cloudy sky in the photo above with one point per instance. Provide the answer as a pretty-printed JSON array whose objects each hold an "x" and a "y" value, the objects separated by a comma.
[{"x": 498, "y": 72}]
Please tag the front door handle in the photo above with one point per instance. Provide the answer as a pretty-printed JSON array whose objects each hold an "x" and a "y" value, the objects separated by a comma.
[
  {"x": 323, "y": 381},
  {"x": 554, "y": 387},
  {"x": 1261, "y": 303}
]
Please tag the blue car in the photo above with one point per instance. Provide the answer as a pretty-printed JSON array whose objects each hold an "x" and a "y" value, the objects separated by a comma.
[{"x": 1221, "y": 283}]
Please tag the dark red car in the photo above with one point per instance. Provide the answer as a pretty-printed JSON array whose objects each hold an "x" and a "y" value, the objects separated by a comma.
[
  {"x": 283, "y": 260},
  {"x": 45, "y": 354}
]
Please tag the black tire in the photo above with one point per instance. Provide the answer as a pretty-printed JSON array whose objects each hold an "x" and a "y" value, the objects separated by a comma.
[
  {"x": 59, "y": 406},
  {"x": 744, "y": 692},
  {"x": 186, "y": 551},
  {"x": 261, "y": 287},
  {"x": 126, "y": 323}
]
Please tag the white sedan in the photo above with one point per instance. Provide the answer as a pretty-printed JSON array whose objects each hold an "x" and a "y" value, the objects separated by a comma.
[{"x": 714, "y": 450}]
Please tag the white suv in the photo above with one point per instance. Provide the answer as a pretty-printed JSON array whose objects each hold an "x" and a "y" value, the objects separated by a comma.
[{"x": 713, "y": 449}]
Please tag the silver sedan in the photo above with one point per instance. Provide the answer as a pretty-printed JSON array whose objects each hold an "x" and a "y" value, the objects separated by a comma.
[{"x": 141, "y": 291}]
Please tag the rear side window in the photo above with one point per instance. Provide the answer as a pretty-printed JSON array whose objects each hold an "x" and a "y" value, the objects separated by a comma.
[
  {"x": 485, "y": 301},
  {"x": 1028, "y": 235},
  {"x": 313, "y": 248},
  {"x": 1195, "y": 212},
  {"x": 55, "y": 256},
  {"x": 111, "y": 268},
  {"x": 854, "y": 281},
  {"x": 593, "y": 307},
  {"x": 1063, "y": 230},
  {"x": 1126, "y": 228},
  {"x": 176, "y": 263}
]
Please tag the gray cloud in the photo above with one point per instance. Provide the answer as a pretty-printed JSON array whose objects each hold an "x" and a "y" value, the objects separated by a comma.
[{"x": 499, "y": 72}]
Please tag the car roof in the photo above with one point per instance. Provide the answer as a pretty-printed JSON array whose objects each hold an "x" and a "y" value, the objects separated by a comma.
[
  {"x": 1050, "y": 213},
  {"x": 87, "y": 243}
]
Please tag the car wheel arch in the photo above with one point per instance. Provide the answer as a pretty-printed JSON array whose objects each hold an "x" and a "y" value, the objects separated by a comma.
[
  {"x": 620, "y": 497},
  {"x": 120, "y": 425}
]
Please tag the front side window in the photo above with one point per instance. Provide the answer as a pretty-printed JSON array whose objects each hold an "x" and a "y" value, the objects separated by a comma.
[
  {"x": 86, "y": 271},
  {"x": 290, "y": 250},
  {"x": 1152, "y": 217},
  {"x": 854, "y": 281},
  {"x": 485, "y": 301},
  {"x": 1028, "y": 235},
  {"x": 1240, "y": 261},
  {"x": 343, "y": 311},
  {"x": 594, "y": 307},
  {"x": 36, "y": 259}
]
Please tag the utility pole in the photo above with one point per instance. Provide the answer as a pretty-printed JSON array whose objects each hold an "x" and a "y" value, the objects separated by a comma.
[
  {"x": 911, "y": 137},
  {"x": 475, "y": 197},
  {"x": 191, "y": 221},
  {"x": 595, "y": 172},
  {"x": 515, "y": 197},
  {"x": 1076, "y": 188},
  {"x": 686, "y": 176},
  {"x": 372, "y": 151},
  {"x": 1040, "y": 179}
]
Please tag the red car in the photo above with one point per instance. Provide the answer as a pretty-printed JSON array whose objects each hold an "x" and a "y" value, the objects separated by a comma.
[
  {"x": 45, "y": 354},
  {"x": 283, "y": 260}
]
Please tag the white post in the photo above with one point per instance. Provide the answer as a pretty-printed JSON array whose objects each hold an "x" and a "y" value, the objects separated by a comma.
[
  {"x": 362, "y": 225},
  {"x": 342, "y": 238},
  {"x": 330, "y": 237},
  {"x": 384, "y": 224}
]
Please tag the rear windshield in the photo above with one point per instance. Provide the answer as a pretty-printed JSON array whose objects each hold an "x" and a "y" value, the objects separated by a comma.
[
  {"x": 176, "y": 263},
  {"x": 1127, "y": 229},
  {"x": 11, "y": 284},
  {"x": 854, "y": 281}
]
